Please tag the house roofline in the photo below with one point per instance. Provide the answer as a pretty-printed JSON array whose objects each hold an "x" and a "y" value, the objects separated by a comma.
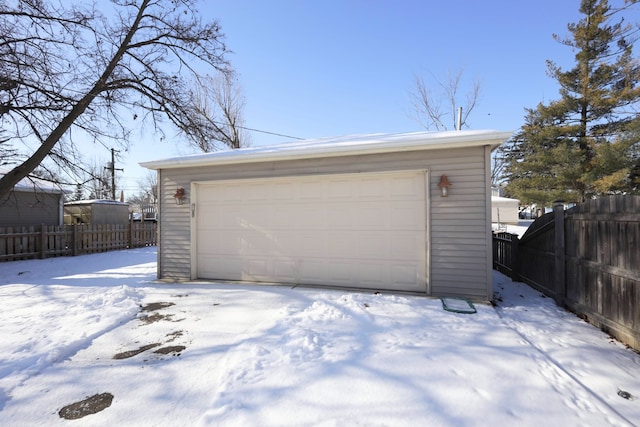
[{"x": 338, "y": 147}]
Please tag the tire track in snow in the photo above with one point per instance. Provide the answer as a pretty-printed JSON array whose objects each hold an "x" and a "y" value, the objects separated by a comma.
[
  {"x": 111, "y": 308},
  {"x": 562, "y": 371}
]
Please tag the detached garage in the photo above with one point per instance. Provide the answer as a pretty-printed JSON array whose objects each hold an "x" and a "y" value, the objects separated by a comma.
[{"x": 363, "y": 212}]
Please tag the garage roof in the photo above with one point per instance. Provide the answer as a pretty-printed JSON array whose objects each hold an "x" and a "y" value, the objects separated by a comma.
[
  {"x": 339, "y": 146},
  {"x": 33, "y": 184}
]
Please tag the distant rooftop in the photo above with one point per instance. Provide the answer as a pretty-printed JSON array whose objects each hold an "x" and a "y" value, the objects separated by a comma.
[{"x": 33, "y": 184}]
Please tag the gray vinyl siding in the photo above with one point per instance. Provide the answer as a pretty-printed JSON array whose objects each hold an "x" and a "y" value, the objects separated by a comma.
[
  {"x": 459, "y": 253},
  {"x": 174, "y": 254},
  {"x": 27, "y": 208}
]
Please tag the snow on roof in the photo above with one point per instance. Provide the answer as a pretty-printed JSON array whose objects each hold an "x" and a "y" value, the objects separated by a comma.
[
  {"x": 95, "y": 202},
  {"x": 339, "y": 146},
  {"x": 34, "y": 184},
  {"x": 503, "y": 199}
]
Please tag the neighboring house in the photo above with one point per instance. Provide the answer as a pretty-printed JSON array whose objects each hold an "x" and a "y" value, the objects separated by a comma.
[
  {"x": 146, "y": 212},
  {"x": 504, "y": 210},
  {"x": 363, "y": 212},
  {"x": 32, "y": 202},
  {"x": 96, "y": 212}
]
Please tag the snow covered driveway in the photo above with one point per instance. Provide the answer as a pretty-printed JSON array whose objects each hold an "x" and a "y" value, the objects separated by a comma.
[{"x": 203, "y": 354}]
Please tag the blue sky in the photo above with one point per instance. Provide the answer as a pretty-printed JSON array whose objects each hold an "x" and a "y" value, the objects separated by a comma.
[{"x": 338, "y": 67}]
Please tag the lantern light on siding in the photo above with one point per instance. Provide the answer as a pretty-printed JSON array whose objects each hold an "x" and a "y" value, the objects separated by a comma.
[
  {"x": 179, "y": 196},
  {"x": 444, "y": 185}
]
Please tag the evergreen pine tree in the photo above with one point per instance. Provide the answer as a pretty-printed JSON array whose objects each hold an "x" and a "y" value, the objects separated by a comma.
[{"x": 585, "y": 143}]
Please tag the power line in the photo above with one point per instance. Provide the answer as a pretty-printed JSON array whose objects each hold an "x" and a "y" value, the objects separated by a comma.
[{"x": 270, "y": 133}]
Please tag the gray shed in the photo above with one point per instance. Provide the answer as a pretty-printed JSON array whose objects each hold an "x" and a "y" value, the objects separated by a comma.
[
  {"x": 32, "y": 202},
  {"x": 362, "y": 212},
  {"x": 97, "y": 211}
]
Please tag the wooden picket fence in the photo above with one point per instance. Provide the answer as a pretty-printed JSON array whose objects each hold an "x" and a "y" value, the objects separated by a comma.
[
  {"x": 19, "y": 243},
  {"x": 587, "y": 258}
]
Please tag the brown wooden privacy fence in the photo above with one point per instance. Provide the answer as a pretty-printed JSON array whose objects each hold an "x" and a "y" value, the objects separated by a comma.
[
  {"x": 17, "y": 243},
  {"x": 587, "y": 258}
]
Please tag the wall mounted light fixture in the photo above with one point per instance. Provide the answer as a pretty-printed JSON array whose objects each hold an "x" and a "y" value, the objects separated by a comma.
[
  {"x": 444, "y": 185},
  {"x": 179, "y": 196}
]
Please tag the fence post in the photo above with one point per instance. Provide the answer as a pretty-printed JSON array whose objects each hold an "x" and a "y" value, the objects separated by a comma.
[
  {"x": 74, "y": 238},
  {"x": 494, "y": 250},
  {"x": 560, "y": 282},
  {"x": 515, "y": 258},
  {"x": 43, "y": 240},
  {"x": 131, "y": 232}
]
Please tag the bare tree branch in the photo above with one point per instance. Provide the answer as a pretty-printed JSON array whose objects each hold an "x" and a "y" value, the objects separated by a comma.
[
  {"x": 219, "y": 104},
  {"x": 66, "y": 68},
  {"x": 433, "y": 110}
]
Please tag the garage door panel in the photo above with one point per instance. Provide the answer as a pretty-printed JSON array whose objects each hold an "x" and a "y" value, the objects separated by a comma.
[
  {"x": 283, "y": 191},
  {"x": 310, "y": 245},
  {"x": 373, "y": 188},
  {"x": 356, "y": 230},
  {"x": 256, "y": 217},
  {"x": 229, "y": 217},
  {"x": 255, "y": 242},
  {"x": 312, "y": 271},
  {"x": 229, "y": 193},
  {"x": 259, "y": 268},
  {"x": 279, "y": 216},
  {"x": 340, "y": 189},
  {"x": 285, "y": 269},
  {"x": 340, "y": 272},
  {"x": 405, "y": 217},
  {"x": 372, "y": 216},
  {"x": 257, "y": 192},
  {"x": 404, "y": 275},
  {"x": 311, "y": 190},
  {"x": 406, "y": 188},
  {"x": 221, "y": 267},
  {"x": 373, "y": 274},
  {"x": 405, "y": 245},
  {"x": 339, "y": 245},
  {"x": 340, "y": 216},
  {"x": 310, "y": 217},
  {"x": 373, "y": 245}
]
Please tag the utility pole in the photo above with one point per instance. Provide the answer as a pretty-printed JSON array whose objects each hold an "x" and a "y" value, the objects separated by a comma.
[{"x": 112, "y": 167}]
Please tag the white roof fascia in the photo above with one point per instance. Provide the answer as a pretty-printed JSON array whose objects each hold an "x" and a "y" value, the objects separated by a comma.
[
  {"x": 95, "y": 202},
  {"x": 337, "y": 147}
]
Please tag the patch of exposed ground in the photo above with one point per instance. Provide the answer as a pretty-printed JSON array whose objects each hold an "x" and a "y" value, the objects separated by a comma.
[
  {"x": 173, "y": 335},
  {"x": 153, "y": 306},
  {"x": 155, "y": 317},
  {"x": 130, "y": 353},
  {"x": 173, "y": 349},
  {"x": 88, "y": 406},
  {"x": 100, "y": 402}
]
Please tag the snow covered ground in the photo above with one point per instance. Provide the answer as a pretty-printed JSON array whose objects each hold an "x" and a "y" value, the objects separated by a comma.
[
  {"x": 519, "y": 229},
  {"x": 228, "y": 354}
]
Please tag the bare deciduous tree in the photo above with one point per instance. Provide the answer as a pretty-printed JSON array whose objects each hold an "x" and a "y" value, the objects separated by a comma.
[
  {"x": 145, "y": 202},
  {"x": 149, "y": 185},
  {"x": 97, "y": 180},
  {"x": 220, "y": 103},
  {"x": 70, "y": 71},
  {"x": 436, "y": 103}
]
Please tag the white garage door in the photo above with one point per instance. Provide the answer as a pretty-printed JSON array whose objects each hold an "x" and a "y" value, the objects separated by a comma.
[{"x": 353, "y": 230}]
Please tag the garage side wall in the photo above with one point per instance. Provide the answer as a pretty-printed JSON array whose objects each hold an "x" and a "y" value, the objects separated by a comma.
[
  {"x": 458, "y": 258},
  {"x": 25, "y": 208}
]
